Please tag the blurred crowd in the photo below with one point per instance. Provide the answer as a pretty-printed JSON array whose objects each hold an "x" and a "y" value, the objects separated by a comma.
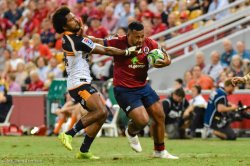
[
  {"x": 31, "y": 55},
  {"x": 232, "y": 61}
]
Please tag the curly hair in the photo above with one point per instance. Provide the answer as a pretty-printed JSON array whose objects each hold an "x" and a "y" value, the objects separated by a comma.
[{"x": 59, "y": 19}]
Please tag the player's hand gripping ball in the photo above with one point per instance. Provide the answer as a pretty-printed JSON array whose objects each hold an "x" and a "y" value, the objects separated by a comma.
[{"x": 154, "y": 56}]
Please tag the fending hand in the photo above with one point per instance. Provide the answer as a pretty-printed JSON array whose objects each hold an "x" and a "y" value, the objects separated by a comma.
[{"x": 133, "y": 51}]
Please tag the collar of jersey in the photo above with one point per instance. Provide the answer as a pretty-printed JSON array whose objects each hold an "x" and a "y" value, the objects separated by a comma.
[{"x": 68, "y": 33}]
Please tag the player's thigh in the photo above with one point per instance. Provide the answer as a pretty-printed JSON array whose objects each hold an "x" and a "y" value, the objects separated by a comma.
[
  {"x": 156, "y": 112},
  {"x": 152, "y": 104},
  {"x": 131, "y": 104},
  {"x": 88, "y": 97},
  {"x": 139, "y": 115}
]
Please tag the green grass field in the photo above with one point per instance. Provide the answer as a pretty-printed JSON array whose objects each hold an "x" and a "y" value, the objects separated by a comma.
[{"x": 115, "y": 151}]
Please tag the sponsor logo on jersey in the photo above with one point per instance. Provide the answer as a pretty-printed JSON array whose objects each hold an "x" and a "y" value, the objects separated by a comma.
[
  {"x": 136, "y": 64},
  {"x": 146, "y": 50},
  {"x": 88, "y": 42}
]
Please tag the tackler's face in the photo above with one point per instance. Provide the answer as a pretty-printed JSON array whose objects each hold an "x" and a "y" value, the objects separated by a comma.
[
  {"x": 73, "y": 24},
  {"x": 136, "y": 37}
]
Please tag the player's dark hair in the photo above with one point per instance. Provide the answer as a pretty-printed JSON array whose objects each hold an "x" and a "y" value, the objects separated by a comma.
[
  {"x": 135, "y": 26},
  {"x": 59, "y": 19},
  {"x": 179, "y": 80},
  {"x": 228, "y": 83},
  {"x": 179, "y": 92},
  {"x": 198, "y": 88}
]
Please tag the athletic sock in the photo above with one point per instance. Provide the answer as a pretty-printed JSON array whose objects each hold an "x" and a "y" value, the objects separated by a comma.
[
  {"x": 77, "y": 127},
  {"x": 132, "y": 135},
  {"x": 86, "y": 144},
  {"x": 159, "y": 147}
]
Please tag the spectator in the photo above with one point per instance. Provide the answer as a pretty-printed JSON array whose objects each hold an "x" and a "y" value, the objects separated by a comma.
[
  {"x": 13, "y": 86},
  {"x": 53, "y": 68},
  {"x": 5, "y": 103},
  {"x": 7, "y": 56},
  {"x": 13, "y": 14},
  {"x": 4, "y": 53},
  {"x": 237, "y": 68},
  {"x": 96, "y": 29},
  {"x": 194, "y": 114},
  {"x": 4, "y": 26},
  {"x": 41, "y": 10},
  {"x": 15, "y": 59},
  {"x": 21, "y": 75},
  {"x": 171, "y": 22},
  {"x": 43, "y": 69},
  {"x": 158, "y": 25},
  {"x": 92, "y": 10},
  {"x": 143, "y": 7},
  {"x": 183, "y": 19},
  {"x": 40, "y": 49},
  {"x": 187, "y": 78},
  {"x": 227, "y": 54},
  {"x": 25, "y": 51},
  {"x": 214, "y": 68},
  {"x": 120, "y": 8},
  {"x": 152, "y": 6},
  {"x": 32, "y": 24},
  {"x": 178, "y": 83},
  {"x": 123, "y": 20},
  {"x": 36, "y": 84},
  {"x": 216, "y": 5},
  {"x": 200, "y": 79},
  {"x": 200, "y": 60},
  {"x": 193, "y": 5},
  {"x": 174, "y": 107},
  {"x": 242, "y": 52},
  {"x": 161, "y": 9},
  {"x": 109, "y": 21},
  {"x": 47, "y": 34}
]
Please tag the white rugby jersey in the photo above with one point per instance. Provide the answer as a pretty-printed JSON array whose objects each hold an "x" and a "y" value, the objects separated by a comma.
[{"x": 76, "y": 50}]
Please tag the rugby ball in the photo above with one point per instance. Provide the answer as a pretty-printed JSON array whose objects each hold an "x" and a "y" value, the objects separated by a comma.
[{"x": 155, "y": 55}]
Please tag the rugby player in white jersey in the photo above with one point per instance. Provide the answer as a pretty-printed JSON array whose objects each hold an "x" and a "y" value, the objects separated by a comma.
[{"x": 76, "y": 51}]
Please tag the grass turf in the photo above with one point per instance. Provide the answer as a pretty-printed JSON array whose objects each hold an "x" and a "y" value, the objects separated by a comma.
[{"x": 115, "y": 151}]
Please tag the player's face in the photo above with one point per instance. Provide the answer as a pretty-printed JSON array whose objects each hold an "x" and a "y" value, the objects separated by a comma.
[
  {"x": 136, "y": 38},
  {"x": 73, "y": 24}
]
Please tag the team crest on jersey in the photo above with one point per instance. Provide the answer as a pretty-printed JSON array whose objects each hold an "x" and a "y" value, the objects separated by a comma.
[
  {"x": 146, "y": 50},
  {"x": 88, "y": 42}
]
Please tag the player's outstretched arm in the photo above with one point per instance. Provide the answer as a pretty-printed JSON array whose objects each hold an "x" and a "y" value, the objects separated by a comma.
[
  {"x": 165, "y": 62},
  {"x": 99, "y": 49}
]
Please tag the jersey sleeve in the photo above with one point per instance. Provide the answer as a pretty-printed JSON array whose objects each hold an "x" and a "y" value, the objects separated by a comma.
[
  {"x": 154, "y": 44},
  {"x": 84, "y": 44},
  {"x": 113, "y": 42}
]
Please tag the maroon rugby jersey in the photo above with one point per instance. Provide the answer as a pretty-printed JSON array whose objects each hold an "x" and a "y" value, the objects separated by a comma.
[{"x": 131, "y": 72}]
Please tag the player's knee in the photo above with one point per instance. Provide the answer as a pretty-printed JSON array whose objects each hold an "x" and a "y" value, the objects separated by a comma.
[
  {"x": 103, "y": 113},
  {"x": 143, "y": 122},
  {"x": 160, "y": 117}
]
